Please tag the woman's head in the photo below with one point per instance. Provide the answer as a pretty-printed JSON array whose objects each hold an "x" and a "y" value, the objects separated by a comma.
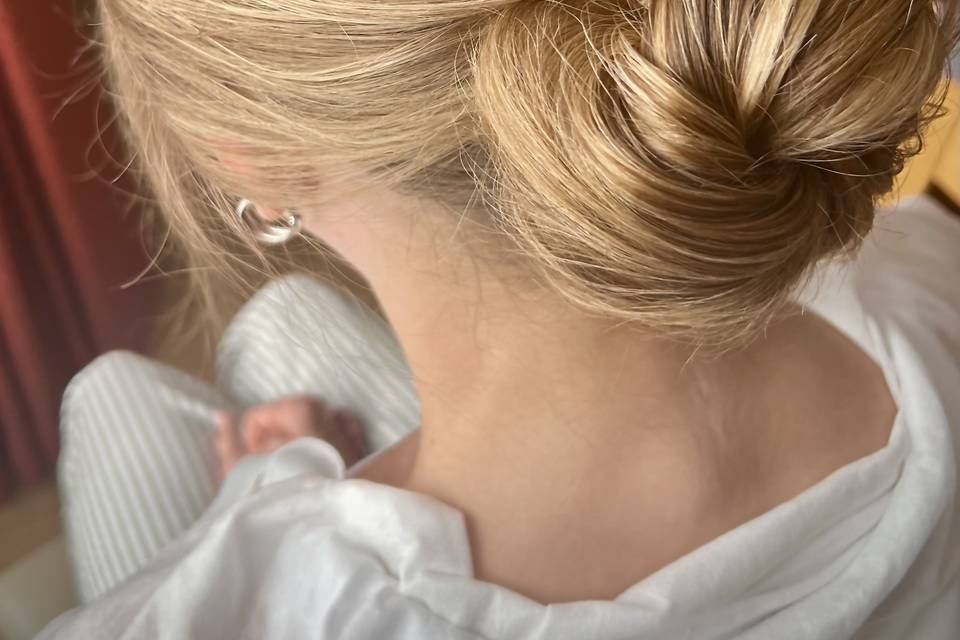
[{"x": 680, "y": 163}]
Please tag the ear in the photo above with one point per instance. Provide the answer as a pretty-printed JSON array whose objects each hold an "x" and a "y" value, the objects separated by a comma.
[{"x": 236, "y": 172}]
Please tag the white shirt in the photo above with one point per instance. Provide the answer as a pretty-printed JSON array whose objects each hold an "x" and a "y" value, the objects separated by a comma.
[{"x": 292, "y": 549}]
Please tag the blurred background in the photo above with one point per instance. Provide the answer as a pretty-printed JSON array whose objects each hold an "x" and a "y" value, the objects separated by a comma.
[
  {"x": 79, "y": 276},
  {"x": 71, "y": 238}
]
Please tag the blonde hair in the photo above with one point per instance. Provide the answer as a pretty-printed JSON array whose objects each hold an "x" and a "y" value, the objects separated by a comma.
[{"x": 678, "y": 163}]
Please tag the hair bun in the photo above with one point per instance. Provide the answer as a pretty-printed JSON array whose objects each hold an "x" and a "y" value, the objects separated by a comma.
[{"x": 684, "y": 163}]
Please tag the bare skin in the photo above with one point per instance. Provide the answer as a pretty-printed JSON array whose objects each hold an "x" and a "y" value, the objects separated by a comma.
[
  {"x": 584, "y": 454},
  {"x": 269, "y": 426}
]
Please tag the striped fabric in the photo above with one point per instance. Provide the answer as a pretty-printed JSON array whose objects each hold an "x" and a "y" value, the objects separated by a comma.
[{"x": 137, "y": 465}]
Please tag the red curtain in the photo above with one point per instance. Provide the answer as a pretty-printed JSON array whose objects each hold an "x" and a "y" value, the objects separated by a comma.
[{"x": 69, "y": 237}]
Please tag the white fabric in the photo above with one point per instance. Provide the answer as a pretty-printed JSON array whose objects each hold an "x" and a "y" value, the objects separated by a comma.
[
  {"x": 292, "y": 549},
  {"x": 134, "y": 474},
  {"x": 137, "y": 465}
]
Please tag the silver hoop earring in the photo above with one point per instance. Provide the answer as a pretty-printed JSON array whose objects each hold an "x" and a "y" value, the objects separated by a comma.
[{"x": 279, "y": 231}]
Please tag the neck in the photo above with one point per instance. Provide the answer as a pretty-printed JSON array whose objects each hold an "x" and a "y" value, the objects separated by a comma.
[
  {"x": 571, "y": 442},
  {"x": 515, "y": 381}
]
